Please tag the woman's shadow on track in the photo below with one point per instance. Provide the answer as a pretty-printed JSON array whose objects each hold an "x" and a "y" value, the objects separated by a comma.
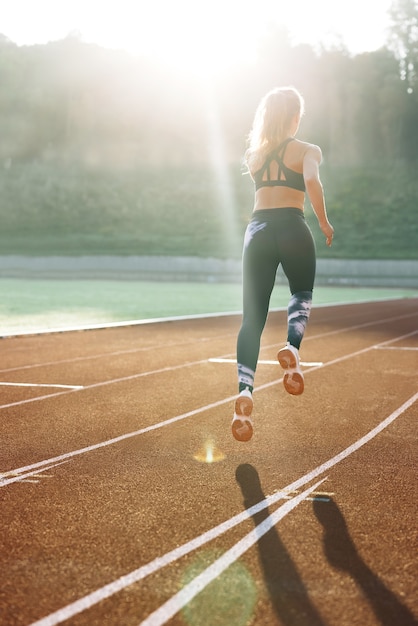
[
  {"x": 342, "y": 554},
  {"x": 285, "y": 586}
]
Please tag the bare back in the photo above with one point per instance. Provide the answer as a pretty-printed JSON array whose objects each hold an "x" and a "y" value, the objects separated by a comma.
[{"x": 279, "y": 196}]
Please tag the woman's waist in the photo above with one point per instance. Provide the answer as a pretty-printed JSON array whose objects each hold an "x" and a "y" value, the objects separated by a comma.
[
  {"x": 280, "y": 197},
  {"x": 278, "y": 212}
]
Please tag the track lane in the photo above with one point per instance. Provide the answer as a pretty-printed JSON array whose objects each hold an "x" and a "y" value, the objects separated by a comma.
[
  {"x": 167, "y": 470},
  {"x": 187, "y": 414}
]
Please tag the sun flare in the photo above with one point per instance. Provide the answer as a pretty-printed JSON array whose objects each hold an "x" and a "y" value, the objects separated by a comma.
[
  {"x": 191, "y": 36},
  {"x": 209, "y": 453},
  {"x": 195, "y": 36}
]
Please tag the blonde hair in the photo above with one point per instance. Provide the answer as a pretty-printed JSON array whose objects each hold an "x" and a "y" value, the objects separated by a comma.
[{"x": 271, "y": 125}]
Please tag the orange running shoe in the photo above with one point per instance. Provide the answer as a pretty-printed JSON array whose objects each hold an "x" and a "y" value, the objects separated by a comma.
[
  {"x": 293, "y": 381},
  {"x": 242, "y": 425}
]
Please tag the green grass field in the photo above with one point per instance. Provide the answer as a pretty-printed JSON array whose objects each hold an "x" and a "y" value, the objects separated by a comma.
[
  {"x": 32, "y": 305},
  {"x": 60, "y": 208}
]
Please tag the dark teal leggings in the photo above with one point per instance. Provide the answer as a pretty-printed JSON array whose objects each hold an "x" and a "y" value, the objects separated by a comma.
[{"x": 274, "y": 237}]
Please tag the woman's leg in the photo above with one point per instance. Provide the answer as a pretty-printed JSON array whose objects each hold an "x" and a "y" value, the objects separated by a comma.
[
  {"x": 298, "y": 312},
  {"x": 260, "y": 264},
  {"x": 299, "y": 263},
  {"x": 259, "y": 273}
]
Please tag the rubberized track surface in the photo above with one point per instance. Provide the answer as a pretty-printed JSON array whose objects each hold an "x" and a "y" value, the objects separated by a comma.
[{"x": 126, "y": 501}]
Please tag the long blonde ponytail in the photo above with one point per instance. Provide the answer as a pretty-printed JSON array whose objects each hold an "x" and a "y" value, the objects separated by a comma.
[{"x": 271, "y": 125}]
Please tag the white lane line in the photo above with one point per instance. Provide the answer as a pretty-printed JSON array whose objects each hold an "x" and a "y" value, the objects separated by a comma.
[
  {"x": 265, "y": 362},
  {"x": 8, "y": 384},
  {"x": 357, "y": 326},
  {"x": 117, "y": 380},
  {"x": 340, "y": 359},
  {"x": 38, "y": 398},
  {"x": 109, "y": 442},
  {"x": 135, "y": 576},
  {"x": 107, "y": 382},
  {"x": 105, "y": 355},
  {"x": 204, "y": 339},
  {"x": 165, "y": 320},
  {"x": 347, "y": 329},
  {"x": 322, "y": 335},
  {"x": 183, "y": 416},
  {"x": 18, "y": 477},
  {"x": 155, "y": 320},
  {"x": 176, "y": 367},
  {"x": 170, "y": 608},
  {"x": 395, "y": 348}
]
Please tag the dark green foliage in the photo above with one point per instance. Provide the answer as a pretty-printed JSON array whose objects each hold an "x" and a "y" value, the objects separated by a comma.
[
  {"x": 373, "y": 211},
  {"x": 103, "y": 153},
  {"x": 56, "y": 209}
]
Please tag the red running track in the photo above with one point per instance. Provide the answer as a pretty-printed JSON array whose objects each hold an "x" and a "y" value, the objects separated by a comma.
[{"x": 126, "y": 501}]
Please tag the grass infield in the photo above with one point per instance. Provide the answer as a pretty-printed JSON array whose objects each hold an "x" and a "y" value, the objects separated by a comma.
[{"x": 34, "y": 305}]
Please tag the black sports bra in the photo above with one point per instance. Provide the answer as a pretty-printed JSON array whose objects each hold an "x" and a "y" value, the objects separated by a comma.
[{"x": 285, "y": 176}]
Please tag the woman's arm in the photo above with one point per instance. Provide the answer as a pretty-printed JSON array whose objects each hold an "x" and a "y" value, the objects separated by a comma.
[{"x": 315, "y": 191}]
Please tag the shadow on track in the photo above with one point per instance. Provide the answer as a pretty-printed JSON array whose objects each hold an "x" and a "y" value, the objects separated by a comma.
[
  {"x": 285, "y": 586},
  {"x": 342, "y": 554}
]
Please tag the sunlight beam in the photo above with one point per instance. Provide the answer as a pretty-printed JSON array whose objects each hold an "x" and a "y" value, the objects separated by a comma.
[{"x": 225, "y": 196}]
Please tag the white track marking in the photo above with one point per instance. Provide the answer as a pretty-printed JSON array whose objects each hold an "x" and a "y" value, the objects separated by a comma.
[
  {"x": 109, "y": 442},
  {"x": 148, "y": 348},
  {"x": 39, "y": 398},
  {"x": 364, "y": 325},
  {"x": 267, "y": 362},
  {"x": 340, "y": 359},
  {"x": 170, "y": 608},
  {"x": 105, "y": 355},
  {"x": 135, "y": 576},
  {"x": 345, "y": 330},
  {"x": 117, "y": 380},
  {"x": 144, "y": 322},
  {"x": 395, "y": 348},
  {"x": 180, "y": 318},
  {"x": 7, "y": 384},
  {"x": 183, "y": 416},
  {"x": 76, "y": 359},
  {"x": 175, "y": 367},
  {"x": 311, "y": 363},
  {"x": 103, "y": 383},
  {"x": 18, "y": 477}
]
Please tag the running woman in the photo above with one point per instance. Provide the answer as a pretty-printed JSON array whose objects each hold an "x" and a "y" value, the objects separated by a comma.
[{"x": 283, "y": 169}]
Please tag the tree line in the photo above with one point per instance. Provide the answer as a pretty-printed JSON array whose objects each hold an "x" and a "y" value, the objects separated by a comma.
[{"x": 71, "y": 100}]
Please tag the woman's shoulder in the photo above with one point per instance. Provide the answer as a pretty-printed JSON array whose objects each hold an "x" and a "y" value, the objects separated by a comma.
[
  {"x": 305, "y": 145},
  {"x": 305, "y": 148}
]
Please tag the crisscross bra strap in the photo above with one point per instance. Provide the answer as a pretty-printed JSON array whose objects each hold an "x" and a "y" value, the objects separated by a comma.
[{"x": 286, "y": 177}]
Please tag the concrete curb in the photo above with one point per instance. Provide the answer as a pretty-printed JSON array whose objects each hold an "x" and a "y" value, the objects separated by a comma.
[{"x": 385, "y": 273}]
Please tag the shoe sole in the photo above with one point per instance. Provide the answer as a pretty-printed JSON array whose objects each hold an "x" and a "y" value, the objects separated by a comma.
[
  {"x": 244, "y": 406},
  {"x": 293, "y": 380},
  {"x": 242, "y": 428},
  {"x": 293, "y": 383},
  {"x": 287, "y": 359}
]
